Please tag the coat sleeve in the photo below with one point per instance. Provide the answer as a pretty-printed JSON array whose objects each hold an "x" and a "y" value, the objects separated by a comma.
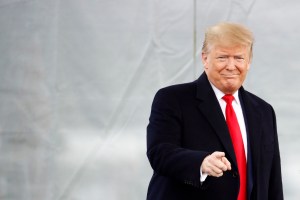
[{"x": 164, "y": 133}]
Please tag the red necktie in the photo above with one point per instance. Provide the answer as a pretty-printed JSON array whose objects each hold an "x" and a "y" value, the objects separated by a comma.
[{"x": 238, "y": 145}]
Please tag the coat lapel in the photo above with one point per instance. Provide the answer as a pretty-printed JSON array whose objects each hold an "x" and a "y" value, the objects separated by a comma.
[
  {"x": 211, "y": 109},
  {"x": 253, "y": 120}
]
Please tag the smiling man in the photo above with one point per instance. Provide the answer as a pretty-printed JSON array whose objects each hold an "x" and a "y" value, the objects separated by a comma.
[{"x": 211, "y": 139}]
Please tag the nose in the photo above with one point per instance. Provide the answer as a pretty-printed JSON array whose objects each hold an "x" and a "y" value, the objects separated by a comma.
[{"x": 231, "y": 64}]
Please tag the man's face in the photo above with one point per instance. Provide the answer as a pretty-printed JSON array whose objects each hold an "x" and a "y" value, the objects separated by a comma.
[{"x": 227, "y": 67}]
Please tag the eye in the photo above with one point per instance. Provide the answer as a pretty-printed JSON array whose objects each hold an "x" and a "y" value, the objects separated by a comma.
[
  {"x": 222, "y": 58},
  {"x": 239, "y": 58}
]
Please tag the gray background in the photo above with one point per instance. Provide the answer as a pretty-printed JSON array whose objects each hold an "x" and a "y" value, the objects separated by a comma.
[{"x": 78, "y": 77}]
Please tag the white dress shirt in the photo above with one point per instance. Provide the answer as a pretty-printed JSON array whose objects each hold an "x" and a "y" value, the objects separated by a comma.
[{"x": 236, "y": 104}]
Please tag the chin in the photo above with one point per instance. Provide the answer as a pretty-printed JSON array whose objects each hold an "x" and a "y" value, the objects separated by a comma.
[{"x": 230, "y": 89}]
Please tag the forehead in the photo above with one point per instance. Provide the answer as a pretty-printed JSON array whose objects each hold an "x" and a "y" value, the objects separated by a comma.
[{"x": 233, "y": 49}]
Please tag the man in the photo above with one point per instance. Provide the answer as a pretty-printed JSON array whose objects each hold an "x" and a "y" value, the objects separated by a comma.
[{"x": 201, "y": 145}]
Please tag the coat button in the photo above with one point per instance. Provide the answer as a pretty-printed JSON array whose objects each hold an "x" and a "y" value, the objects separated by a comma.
[{"x": 235, "y": 174}]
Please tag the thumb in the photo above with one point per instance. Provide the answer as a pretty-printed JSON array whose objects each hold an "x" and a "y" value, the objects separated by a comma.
[{"x": 219, "y": 154}]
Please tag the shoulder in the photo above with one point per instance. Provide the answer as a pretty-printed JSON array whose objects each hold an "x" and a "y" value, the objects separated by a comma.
[
  {"x": 175, "y": 95},
  {"x": 178, "y": 90},
  {"x": 254, "y": 99}
]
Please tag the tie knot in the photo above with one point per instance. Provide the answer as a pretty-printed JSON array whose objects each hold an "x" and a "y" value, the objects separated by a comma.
[{"x": 228, "y": 98}]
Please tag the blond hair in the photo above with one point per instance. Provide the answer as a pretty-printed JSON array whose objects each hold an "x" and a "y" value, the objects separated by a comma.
[{"x": 228, "y": 34}]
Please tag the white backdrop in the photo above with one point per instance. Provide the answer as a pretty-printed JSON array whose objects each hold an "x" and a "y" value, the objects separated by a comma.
[{"x": 77, "y": 79}]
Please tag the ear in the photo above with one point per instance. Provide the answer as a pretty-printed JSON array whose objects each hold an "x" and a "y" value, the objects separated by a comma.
[
  {"x": 204, "y": 59},
  {"x": 249, "y": 63},
  {"x": 248, "y": 66}
]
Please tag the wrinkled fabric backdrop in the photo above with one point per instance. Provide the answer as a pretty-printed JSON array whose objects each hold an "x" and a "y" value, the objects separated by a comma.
[{"x": 78, "y": 77}]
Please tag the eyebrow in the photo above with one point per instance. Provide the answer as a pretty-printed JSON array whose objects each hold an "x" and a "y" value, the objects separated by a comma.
[{"x": 226, "y": 54}]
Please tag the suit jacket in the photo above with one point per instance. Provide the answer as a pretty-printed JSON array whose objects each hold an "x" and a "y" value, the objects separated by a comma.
[{"x": 187, "y": 124}]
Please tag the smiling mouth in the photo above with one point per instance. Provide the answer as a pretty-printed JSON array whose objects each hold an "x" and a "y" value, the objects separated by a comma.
[{"x": 229, "y": 75}]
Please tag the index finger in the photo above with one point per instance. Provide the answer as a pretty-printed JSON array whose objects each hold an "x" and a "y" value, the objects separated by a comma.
[{"x": 226, "y": 162}]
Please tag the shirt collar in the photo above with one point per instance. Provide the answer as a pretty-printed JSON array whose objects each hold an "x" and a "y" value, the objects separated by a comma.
[{"x": 219, "y": 94}]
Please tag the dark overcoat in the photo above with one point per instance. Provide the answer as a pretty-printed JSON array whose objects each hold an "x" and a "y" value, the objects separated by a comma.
[{"x": 187, "y": 124}]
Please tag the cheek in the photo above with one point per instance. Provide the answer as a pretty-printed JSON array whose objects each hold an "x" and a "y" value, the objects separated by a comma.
[
  {"x": 244, "y": 68},
  {"x": 220, "y": 68}
]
